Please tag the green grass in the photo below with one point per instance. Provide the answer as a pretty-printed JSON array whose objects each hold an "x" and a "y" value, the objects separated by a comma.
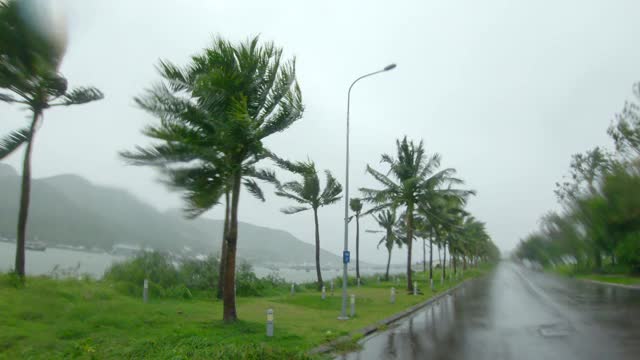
[
  {"x": 50, "y": 319},
  {"x": 570, "y": 271}
]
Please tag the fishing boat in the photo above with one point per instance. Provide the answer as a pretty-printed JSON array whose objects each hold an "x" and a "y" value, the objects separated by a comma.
[{"x": 35, "y": 245}]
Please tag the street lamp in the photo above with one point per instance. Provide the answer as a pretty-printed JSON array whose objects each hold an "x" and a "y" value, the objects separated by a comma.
[{"x": 345, "y": 254}]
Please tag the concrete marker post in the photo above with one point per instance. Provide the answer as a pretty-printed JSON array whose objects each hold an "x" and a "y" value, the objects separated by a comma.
[
  {"x": 393, "y": 295},
  {"x": 269, "y": 322},
  {"x": 293, "y": 289},
  {"x": 324, "y": 293},
  {"x": 431, "y": 281},
  {"x": 331, "y": 287},
  {"x": 358, "y": 282},
  {"x": 353, "y": 305},
  {"x": 415, "y": 288},
  {"x": 145, "y": 291}
]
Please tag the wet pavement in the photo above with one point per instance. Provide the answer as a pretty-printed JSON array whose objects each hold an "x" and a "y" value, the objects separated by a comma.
[{"x": 515, "y": 313}]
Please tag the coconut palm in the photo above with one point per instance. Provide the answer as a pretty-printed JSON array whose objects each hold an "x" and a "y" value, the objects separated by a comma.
[
  {"x": 416, "y": 179},
  {"x": 445, "y": 213},
  {"x": 387, "y": 220},
  {"x": 356, "y": 206},
  {"x": 29, "y": 62},
  {"x": 214, "y": 114},
  {"x": 309, "y": 195}
]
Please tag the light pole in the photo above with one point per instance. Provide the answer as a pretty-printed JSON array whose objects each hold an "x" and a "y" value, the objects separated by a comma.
[{"x": 343, "y": 312}]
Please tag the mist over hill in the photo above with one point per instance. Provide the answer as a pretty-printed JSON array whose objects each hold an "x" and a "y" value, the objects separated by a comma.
[{"x": 70, "y": 210}]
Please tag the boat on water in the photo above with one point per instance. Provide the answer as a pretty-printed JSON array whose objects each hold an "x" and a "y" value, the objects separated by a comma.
[{"x": 35, "y": 245}]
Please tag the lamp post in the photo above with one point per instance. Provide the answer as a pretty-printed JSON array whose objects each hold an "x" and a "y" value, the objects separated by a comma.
[{"x": 345, "y": 256}]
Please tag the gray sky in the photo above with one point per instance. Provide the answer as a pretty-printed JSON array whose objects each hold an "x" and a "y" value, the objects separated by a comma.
[{"x": 505, "y": 91}]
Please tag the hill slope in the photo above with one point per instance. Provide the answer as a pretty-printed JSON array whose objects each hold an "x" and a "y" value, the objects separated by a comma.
[{"x": 68, "y": 209}]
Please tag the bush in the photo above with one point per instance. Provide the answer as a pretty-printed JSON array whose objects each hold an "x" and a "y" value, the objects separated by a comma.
[
  {"x": 200, "y": 274},
  {"x": 628, "y": 252},
  {"x": 154, "y": 266},
  {"x": 180, "y": 280}
]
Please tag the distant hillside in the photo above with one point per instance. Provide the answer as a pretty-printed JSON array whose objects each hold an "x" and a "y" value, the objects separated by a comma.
[{"x": 68, "y": 209}]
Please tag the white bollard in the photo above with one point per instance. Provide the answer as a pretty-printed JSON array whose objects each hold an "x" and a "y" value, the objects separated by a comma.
[
  {"x": 331, "y": 287},
  {"x": 393, "y": 295},
  {"x": 324, "y": 293},
  {"x": 358, "y": 282},
  {"x": 293, "y": 289},
  {"x": 145, "y": 291},
  {"x": 270, "y": 322},
  {"x": 353, "y": 305},
  {"x": 415, "y": 288},
  {"x": 431, "y": 280},
  {"x": 378, "y": 279}
]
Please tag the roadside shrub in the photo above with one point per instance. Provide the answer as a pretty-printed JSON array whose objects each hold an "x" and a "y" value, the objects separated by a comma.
[
  {"x": 179, "y": 292},
  {"x": 247, "y": 283},
  {"x": 628, "y": 252},
  {"x": 154, "y": 266},
  {"x": 182, "y": 280},
  {"x": 200, "y": 274}
]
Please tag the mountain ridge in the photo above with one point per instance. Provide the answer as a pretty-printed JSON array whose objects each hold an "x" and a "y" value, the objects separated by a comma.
[{"x": 69, "y": 209}]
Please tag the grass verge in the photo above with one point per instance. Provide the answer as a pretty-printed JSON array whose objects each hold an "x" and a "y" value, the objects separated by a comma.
[
  {"x": 613, "y": 278},
  {"x": 88, "y": 319}
]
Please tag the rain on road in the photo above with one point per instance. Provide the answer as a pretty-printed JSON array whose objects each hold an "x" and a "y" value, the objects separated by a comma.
[{"x": 516, "y": 313}]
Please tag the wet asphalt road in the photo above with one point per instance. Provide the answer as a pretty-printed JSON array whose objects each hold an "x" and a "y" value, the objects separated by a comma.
[{"x": 515, "y": 313}]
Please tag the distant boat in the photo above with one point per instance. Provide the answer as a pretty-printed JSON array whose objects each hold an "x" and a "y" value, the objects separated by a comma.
[{"x": 35, "y": 245}]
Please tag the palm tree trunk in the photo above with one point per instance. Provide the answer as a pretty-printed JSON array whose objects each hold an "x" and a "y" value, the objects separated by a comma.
[
  {"x": 454, "y": 259},
  {"x": 409, "y": 243},
  {"x": 357, "y": 246},
  {"x": 386, "y": 274},
  {"x": 223, "y": 251},
  {"x": 431, "y": 255},
  {"x": 229, "y": 293},
  {"x": 25, "y": 195},
  {"x": 318, "y": 273},
  {"x": 424, "y": 255},
  {"x": 444, "y": 256}
]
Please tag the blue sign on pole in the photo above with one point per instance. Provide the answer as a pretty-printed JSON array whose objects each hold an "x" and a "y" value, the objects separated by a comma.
[{"x": 346, "y": 256}]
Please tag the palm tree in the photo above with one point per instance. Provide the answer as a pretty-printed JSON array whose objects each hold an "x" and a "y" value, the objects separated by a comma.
[
  {"x": 417, "y": 179},
  {"x": 445, "y": 212},
  {"x": 356, "y": 206},
  {"x": 309, "y": 195},
  {"x": 387, "y": 220},
  {"x": 214, "y": 115},
  {"x": 29, "y": 63}
]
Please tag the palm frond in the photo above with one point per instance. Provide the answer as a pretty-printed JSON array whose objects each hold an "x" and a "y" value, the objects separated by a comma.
[
  {"x": 254, "y": 189},
  {"x": 332, "y": 190},
  {"x": 288, "y": 195},
  {"x": 12, "y": 141},
  {"x": 81, "y": 95}
]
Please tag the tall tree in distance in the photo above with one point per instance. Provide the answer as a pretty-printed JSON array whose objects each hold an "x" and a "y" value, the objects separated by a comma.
[
  {"x": 625, "y": 129},
  {"x": 29, "y": 62},
  {"x": 213, "y": 116},
  {"x": 387, "y": 221},
  {"x": 356, "y": 206},
  {"x": 309, "y": 195},
  {"x": 417, "y": 179}
]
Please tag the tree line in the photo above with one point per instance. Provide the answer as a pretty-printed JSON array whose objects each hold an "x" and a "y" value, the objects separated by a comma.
[
  {"x": 212, "y": 116},
  {"x": 598, "y": 228}
]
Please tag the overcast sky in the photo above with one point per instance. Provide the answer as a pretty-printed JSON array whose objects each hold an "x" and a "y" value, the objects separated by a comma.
[{"x": 505, "y": 91}]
